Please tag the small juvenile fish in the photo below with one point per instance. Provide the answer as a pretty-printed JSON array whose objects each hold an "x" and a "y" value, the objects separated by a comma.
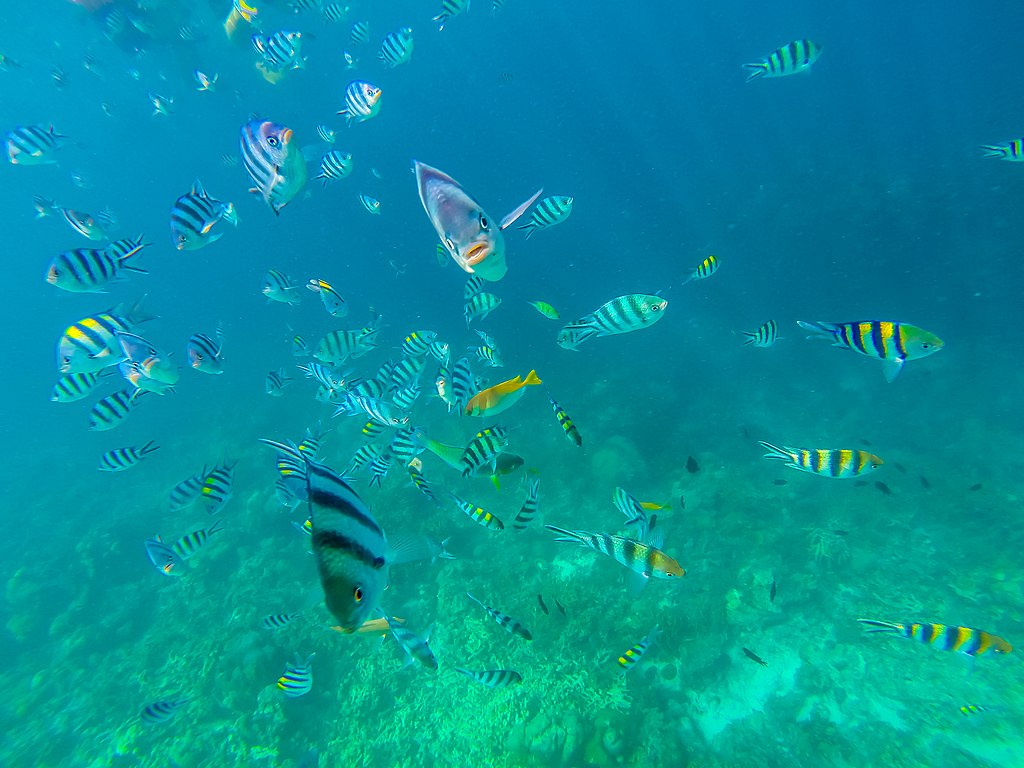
[
  {"x": 504, "y": 620},
  {"x": 371, "y": 204},
  {"x": 754, "y": 657},
  {"x": 1011, "y": 150},
  {"x": 883, "y": 488},
  {"x": 396, "y": 47},
  {"x": 924, "y": 482},
  {"x": 204, "y": 82},
  {"x": 632, "y": 656},
  {"x": 362, "y": 102},
  {"x": 545, "y": 309},
  {"x": 276, "y": 382},
  {"x": 297, "y": 679},
  {"x": 492, "y": 678},
  {"x": 486, "y": 519},
  {"x": 190, "y": 543},
  {"x": 529, "y": 509},
  {"x": 791, "y": 59},
  {"x": 779, "y": 481},
  {"x": 120, "y": 459},
  {"x": 162, "y": 711},
  {"x": 559, "y": 606},
  {"x": 691, "y": 465},
  {"x": 975, "y": 487},
  {"x": 217, "y": 487},
  {"x": 972, "y": 709},
  {"x": 413, "y": 646},
  {"x": 334, "y": 165},
  {"x": 204, "y": 354},
  {"x": 164, "y": 558},
  {"x": 572, "y": 434},
  {"x": 771, "y": 592},
  {"x": 704, "y": 270},
  {"x": 547, "y": 213},
  {"x": 332, "y": 300},
  {"x": 543, "y": 607},
  {"x": 279, "y": 620},
  {"x": 765, "y": 336},
  {"x": 360, "y": 32},
  {"x": 899, "y": 467}
]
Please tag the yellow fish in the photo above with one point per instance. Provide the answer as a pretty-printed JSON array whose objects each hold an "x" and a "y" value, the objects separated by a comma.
[
  {"x": 500, "y": 397},
  {"x": 654, "y": 506}
]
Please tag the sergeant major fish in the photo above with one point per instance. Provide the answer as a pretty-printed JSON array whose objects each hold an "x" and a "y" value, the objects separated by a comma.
[
  {"x": 273, "y": 162},
  {"x": 892, "y": 342},
  {"x": 503, "y": 620},
  {"x": 193, "y": 216},
  {"x": 623, "y": 314},
  {"x": 791, "y": 59},
  {"x": 362, "y": 102},
  {"x": 972, "y": 642},
  {"x": 825, "y": 462}
]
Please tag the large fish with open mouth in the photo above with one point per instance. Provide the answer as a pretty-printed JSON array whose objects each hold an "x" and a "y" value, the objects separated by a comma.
[{"x": 469, "y": 235}]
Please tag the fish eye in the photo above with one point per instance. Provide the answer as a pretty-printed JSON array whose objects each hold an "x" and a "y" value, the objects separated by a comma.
[
  {"x": 182, "y": 238},
  {"x": 483, "y": 221},
  {"x": 925, "y": 345},
  {"x": 272, "y": 141},
  {"x": 357, "y": 594}
]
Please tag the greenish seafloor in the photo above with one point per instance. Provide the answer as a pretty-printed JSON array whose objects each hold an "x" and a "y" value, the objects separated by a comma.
[{"x": 99, "y": 634}]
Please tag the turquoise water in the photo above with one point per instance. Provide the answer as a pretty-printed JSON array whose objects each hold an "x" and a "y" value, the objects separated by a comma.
[{"x": 855, "y": 192}]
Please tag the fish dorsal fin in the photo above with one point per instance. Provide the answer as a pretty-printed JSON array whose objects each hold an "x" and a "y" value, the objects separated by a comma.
[
  {"x": 519, "y": 211},
  {"x": 197, "y": 189}
]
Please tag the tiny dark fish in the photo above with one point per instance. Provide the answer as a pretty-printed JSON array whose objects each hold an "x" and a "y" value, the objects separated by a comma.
[
  {"x": 840, "y": 532},
  {"x": 860, "y": 483},
  {"x": 745, "y": 432},
  {"x": 771, "y": 592},
  {"x": 754, "y": 657},
  {"x": 975, "y": 487},
  {"x": 865, "y": 442},
  {"x": 779, "y": 481},
  {"x": 682, "y": 502},
  {"x": 924, "y": 482},
  {"x": 900, "y": 467},
  {"x": 691, "y": 465},
  {"x": 540, "y": 599},
  {"x": 883, "y": 488},
  {"x": 559, "y": 606}
]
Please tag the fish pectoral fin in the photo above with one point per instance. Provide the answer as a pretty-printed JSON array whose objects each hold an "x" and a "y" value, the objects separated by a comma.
[
  {"x": 892, "y": 369},
  {"x": 519, "y": 211}
]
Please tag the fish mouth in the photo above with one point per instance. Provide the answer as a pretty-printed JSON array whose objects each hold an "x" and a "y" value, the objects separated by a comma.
[
  {"x": 477, "y": 253},
  {"x": 286, "y": 135}
]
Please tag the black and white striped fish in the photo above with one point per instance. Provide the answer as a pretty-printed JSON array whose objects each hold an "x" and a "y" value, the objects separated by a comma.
[
  {"x": 72, "y": 387},
  {"x": 1010, "y": 150},
  {"x": 791, "y": 59},
  {"x": 547, "y": 213},
  {"x": 635, "y": 514},
  {"x": 83, "y": 223},
  {"x": 417, "y": 343},
  {"x": 493, "y": 678},
  {"x": 362, "y": 102},
  {"x": 276, "y": 382},
  {"x": 765, "y": 336},
  {"x": 279, "y": 620},
  {"x": 335, "y": 12},
  {"x": 406, "y": 397},
  {"x": 504, "y": 620},
  {"x": 480, "y": 305},
  {"x": 337, "y": 346},
  {"x": 379, "y": 468},
  {"x": 566, "y": 423},
  {"x": 483, "y": 449},
  {"x": 190, "y": 543},
  {"x": 112, "y": 410},
  {"x": 335, "y": 165},
  {"x": 620, "y": 315},
  {"x": 406, "y": 371},
  {"x": 187, "y": 491},
  {"x": 193, "y": 216},
  {"x": 488, "y": 355},
  {"x": 32, "y": 144},
  {"x": 529, "y": 509},
  {"x": 644, "y": 559},
  {"x": 479, "y": 515},
  {"x": 360, "y": 32},
  {"x": 204, "y": 354},
  {"x": 377, "y": 409},
  {"x": 450, "y": 8},
  {"x": 164, "y": 558},
  {"x": 281, "y": 51},
  {"x": 415, "y": 468},
  {"x": 462, "y": 385},
  {"x": 161, "y": 711},
  {"x": 218, "y": 487},
  {"x": 326, "y": 133},
  {"x": 396, "y": 47},
  {"x": 277, "y": 286},
  {"x": 297, "y": 679},
  {"x": 273, "y": 162},
  {"x": 121, "y": 459}
]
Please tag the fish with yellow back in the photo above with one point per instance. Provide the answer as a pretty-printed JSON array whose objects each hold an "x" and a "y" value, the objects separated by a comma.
[{"x": 501, "y": 397}]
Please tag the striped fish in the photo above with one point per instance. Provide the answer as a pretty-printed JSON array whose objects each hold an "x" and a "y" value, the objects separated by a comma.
[
  {"x": 360, "y": 32},
  {"x": 479, "y": 516},
  {"x": 46, "y": 207},
  {"x": 161, "y": 711},
  {"x": 334, "y": 165},
  {"x": 483, "y": 449},
  {"x": 406, "y": 372},
  {"x": 277, "y": 286},
  {"x": 379, "y": 468},
  {"x": 362, "y": 102},
  {"x": 275, "y": 382},
  {"x": 279, "y": 620},
  {"x": 449, "y": 9},
  {"x": 704, "y": 270},
  {"x": 371, "y": 204},
  {"x": 379, "y": 410},
  {"x": 204, "y": 82},
  {"x": 362, "y": 457},
  {"x": 405, "y": 398},
  {"x": 571, "y": 432},
  {"x": 281, "y": 51},
  {"x": 632, "y": 656},
  {"x": 1011, "y": 150},
  {"x": 488, "y": 355},
  {"x": 193, "y": 216},
  {"x": 273, "y": 162},
  {"x": 644, "y": 559},
  {"x": 417, "y": 343},
  {"x": 493, "y": 678},
  {"x": 372, "y": 428},
  {"x": 473, "y": 286},
  {"x": 332, "y": 300},
  {"x": 313, "y": 441},
  {"x": 635, "y": 514},
  {"x": 112, "y": 410},
  {"x": 32, "y": 144},
  {"x": 83, "y": 223},
  {"x": 412, "y": 645},
  {"x": 973, "y": 642},
  {"x": 335, "y": 12},
  {"x": 187, "y": 491},
  {"x": 892, "y": 342},
  {"x": 440, "y": 351},
  {"x": 529, "y": 509},
  {"x": 121, "y": 459},
  {"x": 504, "y": 621},
  {"x": 396, "y": 47},
  {"x": 297, "y": 679},
  {"x": 415, "y": 468},
  {"x": 75, "y": 386},
  {"x": 547, "y": 213},
  {"x": 217, "y": 487},
  {"x": 462, "y": 385},
  {"x": 404, "y": 446},
  {"x": 480, "y": 305},
  {"x": 825, "y": 462},
  {"x": 164, "y": 558},
  {"x": 790, "y": 59},
  {"x": 190, "y": 543},
  {"x": 300, "y": 347},
  {"x": 126, "y": 246},
  {"x": 90, "y": 270},
  {"x": 204, "y": 354},
  {"x": 765, "y": 336},
  {"x": 326, "y": 133},
  {"x": 337, "y": 346},
  {"x": 496, "y": 5},
  {"x": 623, "y": 314}
]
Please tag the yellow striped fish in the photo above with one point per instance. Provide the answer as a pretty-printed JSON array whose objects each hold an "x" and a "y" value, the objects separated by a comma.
[
  {"x": 704, "y": 270},
  {"x": 1011, "y": 150},
  {"x": 826, "y": 462},
  {"x": 632, "y": 656},
  {"x": 972, "y": 642},
  {"x": 892, "y": 342}
]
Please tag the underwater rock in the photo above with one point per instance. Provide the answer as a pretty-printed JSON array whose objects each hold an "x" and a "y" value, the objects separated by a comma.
[
  {"x": 545, "y": 739},
  {"x": 669, "y": 672},
  {"x": 611, "y": 741}
]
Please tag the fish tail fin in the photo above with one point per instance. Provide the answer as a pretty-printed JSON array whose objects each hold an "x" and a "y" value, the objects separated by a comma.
[
  {"x": 993, "y": 151},
  {"x": 564, "y": 535},
  {"x": 881, "y": 626},
  {"x": 775, "y": 452},
  {"x": 530, "y": 227},
  {"x": 149, "y": 448},
  {"x": 532, "y": 378},
  {"x": 755, "y": 70},
  {"x": 819, "y": 329},
  {"x": 751, "y": 337}
]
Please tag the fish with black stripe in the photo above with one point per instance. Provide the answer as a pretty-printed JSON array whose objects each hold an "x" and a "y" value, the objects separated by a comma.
[
  {"x": 406, "y": 372},
  {"x": 335, "y": 165},
  {"x": 529, "y": 509},
  {"x": 889, "y": 341},
  {"x": 406, "y": 397},
  {"x": 193, "y": 216},
  {"x": 483, "y": 449},
  {"x": 297, "y": 679},
  {"x": 504, "y": 621},
  {"x": 412, "y": 645},
  {"x": 72, "y": 387},
  {"x": 164, "y": 558},
  {"x": 273, "y": 162},
  {"x": 379, "y": 468},
  {"x": 473, "y": 286},
  {"x": 477, "y": 514},
  {"x": 218, "y": 487},
  {"x": 360, "y": 32},
  {"x": 83, "y": 223},
  {"x": 966, "y": 640},
  {"x": 417, "y": 343},
  {"x": 379, "y": 410},
  {"x": 547, "y": 213},
  {"x": 396, "y": 47},
  {"x": 631, "y": 657},
  {"x": 646, "y": 560},
  {"x": 90, "y": 270},
  {"x": 1011, "y": 150},
  {"x": 635, "y": 514},
  {"x": 480, "y": 305},
  {"x": 450, "y": 9},
  {"x": 190, "y": 543},
  {"x": 362, "y": 102},
  {"x": 121, "y": 459},
  {"x": 161, "y": 711},
  {"x": 275, "y": 382},
  {"x": 841, "y": 463},
  {"x": 277, "y": 286},
  {"x": 337, "y": 346},
  {"x": 623, "y": 314},
  {"x": 332, "y": 300},
  {"x": 33, "y": 144},
  {"x": 791, "y": 59},
  {"x": 281, "y": 52},
  {"x": 112, "y": 410},
  {"x": 765, "y": 336},
  {"x": 704, "y": 270},
  {"x": 493, "y": 678},
  {"x": 415, "y": 468},
  {"x": 187, "y": 491},
  {"x": 279, "y": 620},
  {"x": 204, "y": 354},
  {"x": 572, "y": 434}
]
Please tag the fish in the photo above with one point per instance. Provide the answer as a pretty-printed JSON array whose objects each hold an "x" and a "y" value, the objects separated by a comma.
[
  {"x": 972, "y": 709},
  {"x": 281, "y": 52},
  {"x": 791, "y": 59},
  {"x": 972, "y": 642},
  {"x": 892, "y": 342},
  {"x": 334, "y": 165},
  {"x": 692, "y": 466},
  {"x": 529, "y": 509},
  {"x": 300, "y": 347},
  {"x": 90, "y": 270},
  {"x": 543, "y": 607},
  {"x": 275, "y": 382},
  {"x": 193, "y": 216},
  {"x": 83, "y": 223},
  {"x": 277, "y": 286},
  {"x": 7, "y": 64},
  {"x": 924, "y": 482},
  {"x": 112, "y": 410},
  {"x": 332, "y": 300},
  {"x": 217, "y": 488},
  {"x": 488, "y": 355},
  {"x": 504, "y": 621},
  {"x": 631, "y": 656},
  {"x": 500, "y": 397},
  {"x": 273, "y": 162},
  {"x": 547, "y": 213},
  {"x": 634, "y": 512},
  {"x": 204, "y": 354},
  {"x": 335, "y": 12},
  {"x": 462, "y": 386},
  {"x": 80, "y": 180},
  {"x": 492, "y": 678},
  {"x": 1010, "y": 150},
  {"x": 483, "y": 449},
  {"x": 623, "y": 314},
  {"x": 121, "y": 459},
  {"x": 279, "y": 620},
  {"x": 417, "y": 343},
  {"x": 149, "y": 361},
  {"x": 472, "y": 239},
  {"x": 337, "y": 346},
  {"x": 765, "y": 336},
  {"x": 162, "y": 105},
  {"x": 187, "y": 491},
  {"x": 412, "y": 645},
  {"x": 644, "y": 559},
  {"x": 351, "y": 62},
  {"x": 558, "y": 605},
  {"x": 396, "y": 48},
  {"x": 572, "y": 434},
  {"x": 841, "y": 463},
  {"x": 46, "y": 207},
  {"x": 164, "y": 558},
  {"x": 204, "y": 81},
  {"x": 545, "y": 309},
  {"x": 480, "y": 305},
  {"x": 975, "y": 487},
  {"x": 297, "y": 679},
  {"x": 704, "y": 270},
  {"x": 754, "y": 657},
  {"x": 161, "y": 711},
  {"x": 33, "y": 144},
  {"x": 360, "y": 32},
  {"x": 772, "y": 591},
  {"x": 190, "y": 543},
  {"x": 362, "y": 102},
  {"x": 371, "y": 204},
  {"x": 379, "y": 410},
  {"x": 72, "y": 387},
  {"x": 450, "y": 9},
  {"x": 326, "y": 133},
  {"x": 478, "y": 514},
  {"x": 473, "y": 286},
  {"x": 415, "y": 469},
  {"x": 91, "y": 344},
  {"x": 886, "y": 491}
]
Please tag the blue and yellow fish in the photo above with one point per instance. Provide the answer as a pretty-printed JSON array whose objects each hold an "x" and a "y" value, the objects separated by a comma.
[
  {"x": 973, "y": 642},
  {"x": 826, "y": 462},
  {"x": 893, "y": 342},
  {"x": 632, "y": 656}
]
